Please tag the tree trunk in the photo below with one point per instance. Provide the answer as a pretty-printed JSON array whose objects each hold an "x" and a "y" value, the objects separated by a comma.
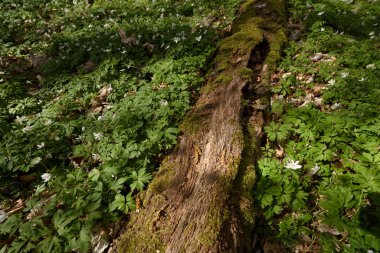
[{"x": 201, "y": 198}]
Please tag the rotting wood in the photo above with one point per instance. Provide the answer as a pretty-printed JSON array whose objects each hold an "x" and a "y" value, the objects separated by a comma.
[{"x": 200, "y": 200}]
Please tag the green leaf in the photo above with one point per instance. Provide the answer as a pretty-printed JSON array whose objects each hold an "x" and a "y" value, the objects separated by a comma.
[
  {"x": 118, "y": 184},
  {"x": 94, "y": 174},
  {"x": 49, "y": 244},
  {"x": 139, "y": 179},
  {"x": 35, "y": 161},
  {"x": 4, "y": 249},
  {"x": 122, "y": 203}
]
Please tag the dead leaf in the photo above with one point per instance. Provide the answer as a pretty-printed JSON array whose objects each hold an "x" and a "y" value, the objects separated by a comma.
[
  {"x": 86, "y": 67},
  {"x": 323, "y": 228},
  {"x": 317, "y": 57},
  {"x": 105, "y": 91},
  {"x": 149, "y": 48},
  {"x": 38, "y": 61},
  {"x": 34, "y": 213},
  {"x": 127, "y": 41},
  {"x": 18, "y": 203},
  {"x": 27, "y": 178},
  {"x": 280, "y": 152}
]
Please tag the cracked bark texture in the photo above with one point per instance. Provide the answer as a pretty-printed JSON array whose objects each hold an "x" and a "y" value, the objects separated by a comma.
[{"x": 199, "y": 200}]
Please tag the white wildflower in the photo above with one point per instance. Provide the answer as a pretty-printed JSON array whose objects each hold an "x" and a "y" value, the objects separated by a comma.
[
  {"x": 46, "y": 177},
  {"x": 321, "y": 13},
  {"x": 371, "y": 66},
  {"x": 83, "y": 129},
  {"x": 285, "y": 75},
  {"x": 163, "y": 102},
  {"x": 371, "y": 35},
  {"x": 314, "y": 170},
  {"x": 39, "y": 146},
  {"x": 335, "y": 106},
  {"x": 362, "y": 79},
  {"x": 294, "y": 165},
  {"x": 3, "y": 216},
  {"x": 198, "y": 38},
  {"x": 176, "y": 39},
  {"x": 369, "y": 251},
  {"x": 323, "y": 29},
  {"x": 331, "y": 82},
  {"x": 27, "y": 129},
  {"x": 1, "y": 80},
  {"x": 344, "y": 74},
  {"x": 96, "y": 157},
  {"x": 48, "y": 122},
  {"x": 98, "y": 136},
  {"x": 20, "y": 120}
]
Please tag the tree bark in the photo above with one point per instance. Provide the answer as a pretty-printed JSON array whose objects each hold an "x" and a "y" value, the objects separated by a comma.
[{"x": 201, "y": 198}]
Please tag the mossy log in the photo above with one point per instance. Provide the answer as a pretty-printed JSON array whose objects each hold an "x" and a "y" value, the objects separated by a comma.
[{"x": 201, "y": 198}]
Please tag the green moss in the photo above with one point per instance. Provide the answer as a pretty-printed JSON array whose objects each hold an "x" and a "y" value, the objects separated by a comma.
[
  {"x": 217, "y": 215},
  {"x": 246, "y": 201},
  {"x": 143, "y": 238},
  {"x": 278, "y": 6},
  {"x": 248, "y": 36},
  {"x": 193, "y": 122},
  {"x": 223, "y": 78},
  {"x": 246, "y": 5},
  {"x": 246, "y": 73},
  {"x": 277, "y": 41},
  {"x": 162, "y": 180}
]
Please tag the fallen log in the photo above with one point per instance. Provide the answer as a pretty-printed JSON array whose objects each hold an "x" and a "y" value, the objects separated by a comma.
[{"x": 201, "y": 198}]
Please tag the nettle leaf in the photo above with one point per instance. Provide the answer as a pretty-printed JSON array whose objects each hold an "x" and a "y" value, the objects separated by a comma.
[
  {"x": 17, "y": 246},
  {"x": 84, "y": 240},
  {"x": 368, "y": 179},
  {"x": 278, "y": 131},
  {"x": 110, "y": 171},
  {"x": 277, "y": 209},
  {"x": 11, "y": 224},
  {"x": 61, "y": 220},
  {"x": 122, "y": 203},
  {"x": 338, "y": 199},
  {"x": 139, "y": 179},
  {"x": 266, "y": 200},
  {"x": 4, "y": 249},
  {"x": 118, "y": 184},
  {"x": 269, "y": 166},
  {"x": 94, "y": 175},
  {"x": 49, "y": 244},
  {"x": 171, "y": 135},
  {"x": 118, "y": 203},
  {"x": 300, "y": 200},
  {"x": 35, "y": 161}
]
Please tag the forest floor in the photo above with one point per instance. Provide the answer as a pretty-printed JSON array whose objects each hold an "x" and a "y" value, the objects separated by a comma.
[{"x": 92, "y": 96}]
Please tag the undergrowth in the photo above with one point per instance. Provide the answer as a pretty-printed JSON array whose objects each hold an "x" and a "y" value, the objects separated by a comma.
[
  {"x": 91, "y": 96},
  {"x": 319, "y": 175}
]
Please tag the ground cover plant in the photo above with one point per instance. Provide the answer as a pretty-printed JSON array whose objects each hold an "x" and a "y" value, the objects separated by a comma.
[
  {"x": 91, "y": 95},
  {"x": 319, "y": 175}
]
